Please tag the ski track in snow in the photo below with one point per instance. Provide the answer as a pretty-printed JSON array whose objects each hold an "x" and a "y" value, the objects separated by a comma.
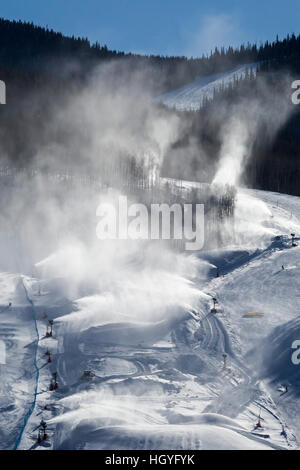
[
  {"x": 37, "y": 372},
  {"x": 173, "y": 396}
]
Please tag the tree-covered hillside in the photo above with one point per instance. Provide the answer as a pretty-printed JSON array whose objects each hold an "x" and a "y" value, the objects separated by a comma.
[{"x": 41, "y": 66}]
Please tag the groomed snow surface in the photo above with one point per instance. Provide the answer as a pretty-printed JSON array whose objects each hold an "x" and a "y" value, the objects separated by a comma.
[
  {"x": 155, "y": 351},
  {"x": 190, "y": 97}
]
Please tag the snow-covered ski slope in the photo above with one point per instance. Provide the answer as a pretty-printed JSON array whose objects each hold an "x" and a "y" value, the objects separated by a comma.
[
  {"x": 155, "y": 351},
  {"x": 190, "y": 97}
]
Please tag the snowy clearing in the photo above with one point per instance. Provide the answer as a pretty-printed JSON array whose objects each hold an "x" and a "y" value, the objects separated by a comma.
[{"x": 190, "y": 97}]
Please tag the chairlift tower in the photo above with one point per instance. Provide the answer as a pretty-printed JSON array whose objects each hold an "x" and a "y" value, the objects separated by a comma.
[{"x": 214, "y": 310}]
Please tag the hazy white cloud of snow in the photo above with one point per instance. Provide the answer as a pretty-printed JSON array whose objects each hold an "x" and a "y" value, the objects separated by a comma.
[
  {"x": 219, "y": 30},
  {"x": 244, "y": 121}
]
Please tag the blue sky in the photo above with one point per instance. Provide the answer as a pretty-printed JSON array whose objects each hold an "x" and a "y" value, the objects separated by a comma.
[{"x": 168, "y": 27}]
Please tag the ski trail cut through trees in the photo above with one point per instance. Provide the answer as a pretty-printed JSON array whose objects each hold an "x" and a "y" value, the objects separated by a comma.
[{"x": 37, "y": 372}]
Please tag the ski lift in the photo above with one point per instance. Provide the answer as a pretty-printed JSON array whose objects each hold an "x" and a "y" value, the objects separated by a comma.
[
  {"x": 214, "y": 310},
  {"x": 258, "y": 424},
  {"x": 42, "y": 435},
  {"x": 49, "y": 333},
  {"x": 43, "y": 424},
  {"x": 39, "y": 438},
  {"x": 224, "y": 361},
  {"x": 53, "y": 384},
  {"x": 293, "y": 235}
]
